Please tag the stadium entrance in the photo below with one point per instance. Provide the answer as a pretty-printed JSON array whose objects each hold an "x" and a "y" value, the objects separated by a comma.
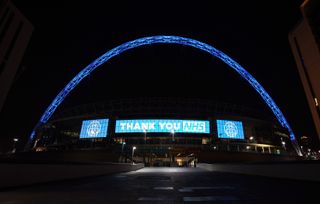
[
  {"x": 161, "y": 155},
  {"x": 163, "y": 142}
]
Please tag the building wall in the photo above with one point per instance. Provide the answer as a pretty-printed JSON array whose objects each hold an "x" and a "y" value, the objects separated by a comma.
[
  {"x": 306, "y": 51},
  {"x": 15, "y": 33},
  {"x": 262, "y": 131}
]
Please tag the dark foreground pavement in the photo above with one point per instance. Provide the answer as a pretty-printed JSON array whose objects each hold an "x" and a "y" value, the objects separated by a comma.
[{"x": 168, "y": 185}]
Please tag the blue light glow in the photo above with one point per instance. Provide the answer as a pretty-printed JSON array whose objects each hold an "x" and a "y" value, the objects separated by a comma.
[
  {"x": 169, "y": 126},
  {"x": 170, "y": 40},
  {"x": 94, "y": 128},
  {"x": 230, "y": 129}
]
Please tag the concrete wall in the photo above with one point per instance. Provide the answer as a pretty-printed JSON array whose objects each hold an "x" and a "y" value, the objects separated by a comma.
[
  {"x": 307, "y": 56},
  {"x": 103, "y": 155},
  {"x": 12, "y": 175},
  {"x": 300, "y": 171},
  {"x": 220, "y": 157}
]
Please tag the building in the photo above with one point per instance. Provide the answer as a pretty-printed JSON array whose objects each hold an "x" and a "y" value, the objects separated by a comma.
[
  {"x": 305, "y": 44},
  {"x": 159, "y": 127},
  {"x": 15, "y": 33}
]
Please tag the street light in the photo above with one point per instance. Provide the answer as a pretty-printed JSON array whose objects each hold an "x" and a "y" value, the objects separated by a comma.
[
  {"x": 172, "y": 133},
  {"x": 15, "y": 140},
  {"x": 251, "y": 138},
  {"x": 35, "y": 143},
  {"x": 133, "y": 148},
  {"x": 123, "y": 143},
  {"x": 284, "y": 145}
]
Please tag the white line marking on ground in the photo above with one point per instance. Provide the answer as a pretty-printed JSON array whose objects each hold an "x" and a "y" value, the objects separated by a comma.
[
  {"x": 190, "y": 189},
  {"x": 185, "y": 190},
  {"x": 163, "y": 188},
  {"x": 210, "y": 198}
]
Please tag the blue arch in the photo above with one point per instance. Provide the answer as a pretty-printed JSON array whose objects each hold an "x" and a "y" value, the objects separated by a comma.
[{"x": 170, "y": 40}]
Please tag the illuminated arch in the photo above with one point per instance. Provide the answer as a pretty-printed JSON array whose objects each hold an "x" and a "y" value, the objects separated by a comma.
[{"x": 170, "y": 40}]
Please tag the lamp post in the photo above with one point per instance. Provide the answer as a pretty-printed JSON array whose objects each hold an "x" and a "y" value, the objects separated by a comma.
[
  {"x": 172, "y": 133},
  {"x": 284, "y": 145},
  {"x": 123, "y": 143},
  {"x": 15, "y": 140},
  {"x": 251, "y": 138},
  {"x": 35, "y": 143},
  {"x": 133, "y": 148}
]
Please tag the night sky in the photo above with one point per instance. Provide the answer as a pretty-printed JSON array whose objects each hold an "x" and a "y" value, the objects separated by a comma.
[{"x": 68, "y": 36}]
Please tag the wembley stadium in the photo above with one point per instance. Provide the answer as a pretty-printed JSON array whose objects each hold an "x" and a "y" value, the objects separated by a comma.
[{"x": 164, "y": 131}]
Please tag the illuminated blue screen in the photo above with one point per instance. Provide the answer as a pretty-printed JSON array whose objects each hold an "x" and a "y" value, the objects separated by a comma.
[
  {"x": 94, "y": 128},
  {"x": 230, "y": 129},
  {"x": 185, "y": 126}
]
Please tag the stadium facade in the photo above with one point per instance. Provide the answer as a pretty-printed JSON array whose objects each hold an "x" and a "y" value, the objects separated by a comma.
[{"x": 161, "y": 126}]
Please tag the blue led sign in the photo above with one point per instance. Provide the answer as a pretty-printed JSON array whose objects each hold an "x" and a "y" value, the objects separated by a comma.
[
  {"x": 94, "y": 128},
  {"x": 230, "y": 129}
]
